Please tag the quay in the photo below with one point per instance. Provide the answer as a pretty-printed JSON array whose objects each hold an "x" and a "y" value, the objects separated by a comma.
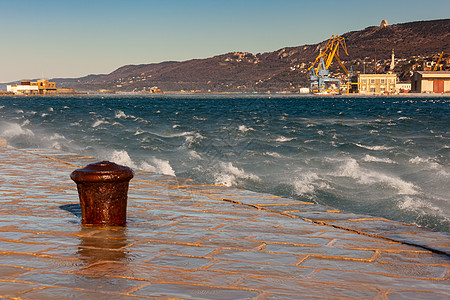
[{"x": 185, "y": 240}]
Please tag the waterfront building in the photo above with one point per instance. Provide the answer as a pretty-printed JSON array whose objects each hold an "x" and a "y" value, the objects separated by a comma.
[
  {"x": 376, "y": 83},
  {"x": 430, "y": 82},
  {"x": 403, "y": 87},
  {"x": 40, "y": 87}
]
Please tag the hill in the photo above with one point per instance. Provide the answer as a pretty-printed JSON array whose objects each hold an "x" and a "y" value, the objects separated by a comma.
[{"x": 281, "y": 70}]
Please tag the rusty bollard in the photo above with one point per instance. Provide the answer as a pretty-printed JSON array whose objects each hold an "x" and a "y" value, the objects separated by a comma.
[{"x": 103, "y": 188}]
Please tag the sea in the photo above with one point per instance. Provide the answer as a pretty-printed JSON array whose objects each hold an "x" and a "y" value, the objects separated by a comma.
[{"x": 386, "y": 156}]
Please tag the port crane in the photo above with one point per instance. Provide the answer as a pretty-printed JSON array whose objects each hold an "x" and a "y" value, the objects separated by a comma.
[
  {"x": 319, "y": 73},
  {"x": 438, "y": 61}
]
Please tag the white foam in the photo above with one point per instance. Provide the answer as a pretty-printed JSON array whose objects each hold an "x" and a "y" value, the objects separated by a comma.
[
  {"x": 159, "y": 166},
  {"x": 375, "y": 148},
  {"x": 120, "y": 114},
  {"x": 304, "y": 183},
  {"x": 98, "y": 123},
  {"x": 122, "y": 158},
  {"x": 283, "y": 139},
  {"x": 244, "y": 129},
  {"x": 193, "y": 154},
  {"x": 9, "y": 130},
  {"x": 191, "y": 139},
  {"x": 154, "y": 165},
  {"x": 370, "y": 158},
  {"x": 229, "y": 174},
  {"x": 425, "y": 161},
  {"x": 351, "y": 169},
  {"x": 273, "y": 154}
]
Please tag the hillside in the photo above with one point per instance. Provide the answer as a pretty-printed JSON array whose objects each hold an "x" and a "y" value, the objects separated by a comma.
[{"x": 281, "y": 70}]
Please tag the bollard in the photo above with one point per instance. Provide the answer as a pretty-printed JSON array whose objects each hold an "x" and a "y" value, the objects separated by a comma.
[{"x": 102, "y": 189}]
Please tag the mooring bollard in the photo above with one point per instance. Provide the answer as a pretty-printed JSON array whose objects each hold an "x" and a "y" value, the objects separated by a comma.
[{"x": 103, "y": 191}]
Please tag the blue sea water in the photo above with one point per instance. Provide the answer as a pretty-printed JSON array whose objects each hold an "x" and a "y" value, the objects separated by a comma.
[{"x": 382, "y": 156}]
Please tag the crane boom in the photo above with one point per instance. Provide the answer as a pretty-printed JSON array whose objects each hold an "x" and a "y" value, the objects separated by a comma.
[
  {"x": 438, "y": 61},
  {"x": 319, "y": 69}
]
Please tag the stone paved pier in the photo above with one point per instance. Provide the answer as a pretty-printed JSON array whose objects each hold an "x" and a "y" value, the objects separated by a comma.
[{"x": 190, "y": 241}]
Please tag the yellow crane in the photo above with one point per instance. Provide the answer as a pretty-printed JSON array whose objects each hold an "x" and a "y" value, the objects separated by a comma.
[
  {"x": 319, "y": 73},
  {"x": 438, "y": 61},
  {"x": 331, "y": 51}
]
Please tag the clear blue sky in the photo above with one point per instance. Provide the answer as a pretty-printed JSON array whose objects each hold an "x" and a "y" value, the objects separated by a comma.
[{"x": 59, "y": 38}]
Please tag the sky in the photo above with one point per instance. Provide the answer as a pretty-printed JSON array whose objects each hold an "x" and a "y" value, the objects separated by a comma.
[{"x": 62, "y": 39}]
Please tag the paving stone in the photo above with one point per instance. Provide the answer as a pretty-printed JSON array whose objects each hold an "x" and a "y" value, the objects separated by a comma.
[
  {"x": 178, "y": 261},
  {"x": 90, "y": 283},
  {"x": 320, "y": 251},
  {"x": 76, "y": 294},
  {"x": 309, "y": 288},
  {"x": 10, "y": 289},
  {"x": 183, "y": 240},
  {"x": 386, "y": 282},
  {"x": 194, "y": 292},
  {"x": 255, "y": 256},
  {"x": 388, "y": 269}
]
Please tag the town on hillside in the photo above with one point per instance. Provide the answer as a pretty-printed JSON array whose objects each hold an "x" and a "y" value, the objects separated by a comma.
[{"x": 410, "y": 57}]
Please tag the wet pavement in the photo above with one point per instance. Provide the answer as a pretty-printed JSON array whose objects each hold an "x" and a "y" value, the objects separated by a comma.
[{"x": 190, "y": 241}]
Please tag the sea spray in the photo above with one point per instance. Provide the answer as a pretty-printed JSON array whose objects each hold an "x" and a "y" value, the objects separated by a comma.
[{"x": 382, "y": 156}]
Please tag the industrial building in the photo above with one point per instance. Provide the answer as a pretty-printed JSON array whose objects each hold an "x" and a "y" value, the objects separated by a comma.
[
  {"x": 430, "y": 82},
  {"x": 376, "y": 83},
  {"x": 40, "y": 87}
]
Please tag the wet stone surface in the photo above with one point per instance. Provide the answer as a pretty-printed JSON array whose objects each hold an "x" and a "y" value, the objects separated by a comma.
[{"x": 188, "y": 241}]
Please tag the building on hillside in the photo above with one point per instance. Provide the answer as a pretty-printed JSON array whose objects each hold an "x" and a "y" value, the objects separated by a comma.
[
  {"x": 376, "y": 83},
  {"x": 430, "y": 82},
  {"x": 40, "y": 87}
]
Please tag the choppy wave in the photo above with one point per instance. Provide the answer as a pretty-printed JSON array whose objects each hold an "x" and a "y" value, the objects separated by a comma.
[{"x": 386, "y": 158}]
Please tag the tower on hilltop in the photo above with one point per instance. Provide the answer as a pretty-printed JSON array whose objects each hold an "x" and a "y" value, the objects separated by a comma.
[{"x": 392, "y": 66}]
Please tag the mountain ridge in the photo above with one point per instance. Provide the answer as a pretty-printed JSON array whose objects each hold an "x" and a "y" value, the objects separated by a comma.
[{"x": 282, "y": 70}]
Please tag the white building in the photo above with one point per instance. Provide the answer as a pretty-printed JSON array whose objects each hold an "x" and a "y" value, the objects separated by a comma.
[{"x": 23, "y": 89}]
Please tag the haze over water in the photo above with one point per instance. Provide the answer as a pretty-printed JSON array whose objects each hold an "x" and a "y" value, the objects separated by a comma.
[{"x": 373, "y": 155}]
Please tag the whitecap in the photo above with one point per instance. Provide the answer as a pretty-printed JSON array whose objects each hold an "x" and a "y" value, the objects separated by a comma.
[
  {"x": 9, "y": 130},
  {"x": 194, "y": 155},
  {"x": 228, "y": 174},
  {"x": 120, "y": 114},
  {"x": 273, "y": 154},
  {"x": 351, "y": 169},
  {"x": 376, "y": 148},
  {"x": 426, "y": 161},
  {"x": 159, "y": 166},
  {"x": 154, "y": 164},
  {"x": 304, "y": 183},
  {"x": 370, "y": 158},
  {"x": 244, "y": 129},
  {"x": 283, "y": 139},
  {"x": 98, "y": 123}
]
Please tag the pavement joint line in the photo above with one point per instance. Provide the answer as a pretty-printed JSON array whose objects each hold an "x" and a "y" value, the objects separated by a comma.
[
  {"x": 431, "y": 268},
  {"x": 320, "y": 222}
]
